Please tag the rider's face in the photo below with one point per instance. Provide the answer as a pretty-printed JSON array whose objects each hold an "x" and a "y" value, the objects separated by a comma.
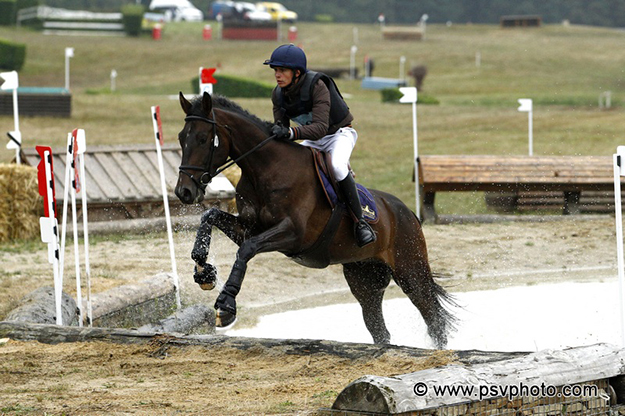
[{"x": 284, "y": 76}]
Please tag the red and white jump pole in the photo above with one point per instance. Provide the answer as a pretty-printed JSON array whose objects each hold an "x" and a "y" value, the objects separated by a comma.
[
  {"x": 74, "y": 170},
  {"x": 71, "y": 183},
  {"x": 48, "y": 223},
  {"x": 66, "y": 185},
  {"x": 75, "y": 188},
  {"x": 68, "y": 167},
  {"x": 158, "y": 136},
  {"x": 80, "y": 141}
]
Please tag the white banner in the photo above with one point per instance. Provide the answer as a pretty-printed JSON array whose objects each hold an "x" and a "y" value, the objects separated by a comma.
[
  {"x": 525, "y": 104},
  {"x": 410, "y": 95}
]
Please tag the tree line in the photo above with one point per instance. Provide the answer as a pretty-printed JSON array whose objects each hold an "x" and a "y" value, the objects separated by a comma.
[{"x": 610, "y": 13}]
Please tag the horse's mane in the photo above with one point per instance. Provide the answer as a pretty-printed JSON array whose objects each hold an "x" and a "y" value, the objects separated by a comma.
[{"x": 226, "y": 104}]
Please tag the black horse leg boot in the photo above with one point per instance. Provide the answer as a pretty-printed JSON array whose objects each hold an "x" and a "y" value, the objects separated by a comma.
[{"x": 362, "y": 230}]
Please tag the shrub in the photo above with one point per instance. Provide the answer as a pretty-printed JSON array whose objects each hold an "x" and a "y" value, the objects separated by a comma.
[
  {"x": 230, "y": 86},
  {"x": 7, "y": 12},
  {"x": 392, "y": 95},
  {"x": 132, "y": 18},
  {"x": 427, "y": 99},
  {"x": 12, "y": 55}
]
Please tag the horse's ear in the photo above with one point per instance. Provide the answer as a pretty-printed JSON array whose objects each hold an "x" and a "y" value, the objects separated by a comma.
[
  {"x": 207, "y": 103},
  {"x": 184, "y": 103}
]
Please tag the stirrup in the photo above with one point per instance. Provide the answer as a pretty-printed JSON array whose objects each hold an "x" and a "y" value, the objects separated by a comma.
[{"x": 364, "y": 233}]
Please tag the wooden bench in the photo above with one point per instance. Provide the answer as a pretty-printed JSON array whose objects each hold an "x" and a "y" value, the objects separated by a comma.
[
  {"x": 402, "y": 33},
  {"x": 569, "y": 175},
  {"x": 521, "y": 21}
]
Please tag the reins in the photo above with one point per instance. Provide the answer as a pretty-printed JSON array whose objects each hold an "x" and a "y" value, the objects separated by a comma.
[{"x": 206, "y": 176}]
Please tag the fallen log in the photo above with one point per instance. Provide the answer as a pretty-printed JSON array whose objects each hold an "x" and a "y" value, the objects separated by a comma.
[
  {"x": 134, "y": 304},
  {"x": 418, "y": 391},
  {"x": 39, "y": 306},
  {"x": 184, "y": 321},
  {"x": 53, "y": 334}
]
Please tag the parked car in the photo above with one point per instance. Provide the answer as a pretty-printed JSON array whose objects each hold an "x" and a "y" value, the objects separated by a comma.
[
  {"x": 224, "y": 8},
  {"x": 239, "y": 10},
  {"x": 278, "y": 11},
  {"x": 250, "y": 12},
  {"x": 177, "y": 10}
]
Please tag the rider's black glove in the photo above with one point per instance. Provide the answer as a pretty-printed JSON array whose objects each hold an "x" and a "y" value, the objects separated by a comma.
[{"x": 281, "y": 132}]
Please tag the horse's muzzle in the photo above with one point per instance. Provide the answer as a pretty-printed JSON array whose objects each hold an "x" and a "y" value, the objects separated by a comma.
[{"x": 189, "y": 196}]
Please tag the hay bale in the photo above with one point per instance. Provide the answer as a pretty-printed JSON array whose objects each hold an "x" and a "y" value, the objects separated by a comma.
[
  {"x": 20, "y": 203},
  {"x": 233, "y": 174}
]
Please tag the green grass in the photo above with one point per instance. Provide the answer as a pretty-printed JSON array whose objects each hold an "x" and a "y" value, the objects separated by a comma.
[
  {"x": 563, "y": 69},
  {"x": 17, "y": 410}
]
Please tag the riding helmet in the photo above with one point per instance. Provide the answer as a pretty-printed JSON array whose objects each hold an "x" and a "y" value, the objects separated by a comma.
[{"x": 288, "y": 56}]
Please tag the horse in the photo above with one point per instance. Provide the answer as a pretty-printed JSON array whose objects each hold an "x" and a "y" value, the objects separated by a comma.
[{"x": 282, "y": 207}]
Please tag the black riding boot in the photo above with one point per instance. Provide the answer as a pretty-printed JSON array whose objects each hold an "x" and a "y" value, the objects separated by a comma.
[{"x": 362, "y": 230}]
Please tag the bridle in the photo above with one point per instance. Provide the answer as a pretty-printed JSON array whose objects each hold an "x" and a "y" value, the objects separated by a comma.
[{"x": 206, "y": 177}]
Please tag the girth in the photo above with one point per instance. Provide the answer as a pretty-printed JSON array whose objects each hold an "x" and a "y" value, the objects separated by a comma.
[{"x": 317, "y": 256}]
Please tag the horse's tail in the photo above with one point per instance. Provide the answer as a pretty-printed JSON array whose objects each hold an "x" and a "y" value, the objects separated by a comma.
[
  {"x": 444, "y": 302},
  {"x": 412, "y": 272},
  {"x": 447, "y": 301}
]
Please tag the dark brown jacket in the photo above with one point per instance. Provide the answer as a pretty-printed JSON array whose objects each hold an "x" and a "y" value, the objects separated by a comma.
[{"x": 320, "y": 125}]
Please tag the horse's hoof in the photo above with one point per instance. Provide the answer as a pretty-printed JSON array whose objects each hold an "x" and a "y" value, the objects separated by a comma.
[
  {"x": 205, "y": 276},
  {"x": 224, "y": 320}
]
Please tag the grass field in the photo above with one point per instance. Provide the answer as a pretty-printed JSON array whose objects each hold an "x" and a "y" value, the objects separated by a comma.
[{"x": 563, "y": 69}]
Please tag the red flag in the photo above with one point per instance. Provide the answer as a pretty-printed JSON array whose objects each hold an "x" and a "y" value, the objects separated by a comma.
[
  {"x": 41, "y": 176},
  {"x": 207, "y": 76},
  {"x": 75, "y": 161}
]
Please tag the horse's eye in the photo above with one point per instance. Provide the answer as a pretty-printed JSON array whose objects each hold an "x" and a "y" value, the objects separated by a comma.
[{"x": 202, "y": 139}]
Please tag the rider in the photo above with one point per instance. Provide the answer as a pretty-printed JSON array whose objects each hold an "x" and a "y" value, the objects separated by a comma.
[{"x": 312, "y": 101}]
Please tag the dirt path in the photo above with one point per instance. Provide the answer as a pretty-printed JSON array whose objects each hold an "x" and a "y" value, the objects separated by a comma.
[
  {"x": 104, "y": 379},
  {"x": 100, "y": 378}
]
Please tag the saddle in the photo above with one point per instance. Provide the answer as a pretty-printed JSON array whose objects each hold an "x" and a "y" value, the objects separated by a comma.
[
  {"x": 331, "y": 187},
  {"x": 317, "y": 255}
]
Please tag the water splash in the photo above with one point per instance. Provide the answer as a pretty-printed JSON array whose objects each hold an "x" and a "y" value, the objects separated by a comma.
[{"x": 219, "y": 283}]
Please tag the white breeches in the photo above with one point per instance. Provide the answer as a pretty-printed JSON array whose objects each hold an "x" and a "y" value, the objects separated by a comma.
[{"x": 339, "y": 145}]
